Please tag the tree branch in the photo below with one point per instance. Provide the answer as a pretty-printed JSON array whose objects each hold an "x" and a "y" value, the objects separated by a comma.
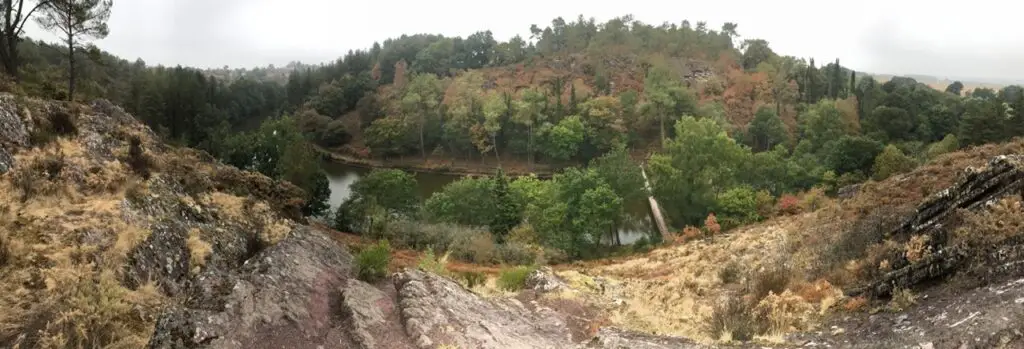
[{"x": 39, "y": 4}]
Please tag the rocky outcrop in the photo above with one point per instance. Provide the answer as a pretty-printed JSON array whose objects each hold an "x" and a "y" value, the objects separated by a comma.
[
  {"x": 934, "y": 218},
  {"x": 437, "y": 311},
  {"x": 285, "y": 296}
]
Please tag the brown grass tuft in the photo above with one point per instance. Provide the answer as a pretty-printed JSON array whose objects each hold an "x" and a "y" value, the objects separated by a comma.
[
  {"x": 198, "y": 250},
  {"x": 855, "y": 304}
]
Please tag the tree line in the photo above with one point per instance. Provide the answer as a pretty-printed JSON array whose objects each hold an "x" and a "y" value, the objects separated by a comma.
[{"x": 758, "y": 125}]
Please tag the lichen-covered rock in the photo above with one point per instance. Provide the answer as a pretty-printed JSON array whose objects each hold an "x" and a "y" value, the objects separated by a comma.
[
  {"x": 977, "y": 187},
  {"x": 286, "y": 296},
  {"x": 438, "y": 311},
  {"x": 6, "y": 160},
  {"x": 544, "y": 280},
  {"x": 12, "y": 126}
]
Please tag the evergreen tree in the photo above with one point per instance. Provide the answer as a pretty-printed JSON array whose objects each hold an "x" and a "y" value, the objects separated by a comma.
[{"x": 509, "y": 213}]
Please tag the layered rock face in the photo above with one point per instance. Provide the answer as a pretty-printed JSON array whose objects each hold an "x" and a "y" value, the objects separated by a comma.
[{"x": 936, "y": 217}]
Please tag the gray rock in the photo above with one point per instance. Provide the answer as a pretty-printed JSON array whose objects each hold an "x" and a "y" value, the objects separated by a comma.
[
  {"x": 6, "y": 160},
  {"x": 437, "y": 310},
  {"x": 12, "y": 126}
]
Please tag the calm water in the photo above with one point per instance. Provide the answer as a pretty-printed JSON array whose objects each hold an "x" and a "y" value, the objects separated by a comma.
[{"x": 341, "y": 176}]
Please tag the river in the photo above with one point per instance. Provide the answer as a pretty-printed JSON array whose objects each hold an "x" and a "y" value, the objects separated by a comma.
[{"x": 341, "y": 176}]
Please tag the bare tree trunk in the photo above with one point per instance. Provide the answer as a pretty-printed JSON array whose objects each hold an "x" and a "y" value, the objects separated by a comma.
[
  {"x": 496, "y": 157},
  {"x": 423, "y": 150},
  {"x": 71, "y": 67}
]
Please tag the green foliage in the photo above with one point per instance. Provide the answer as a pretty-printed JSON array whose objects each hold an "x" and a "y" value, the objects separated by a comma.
[
  {"x": 391, "y": 189},
  {"x": 473, "y": 278},
  {"x": 514, "y": 279},
  {"x": 982, "y": 121},
  {"x": 737, "y": 206},
  {"x": 767, "y": 130},
  {"x": 852, "y": 154},
  {"x": 509, "y": 210},
  {"x": 372, "y": 262},
  {"x": 335, "y": 134},
  {"x": 621, "y": 173},
  {"x": 467, "y": 201},
  {"x": 948, "y": 144},
  {"x": 431, "y": 263},
  {"x": 821, "y": 123},
  {"x": 890, "y": 162},
  {"x": 562, "y": 141},
  {"x": 700, "y": 161}
]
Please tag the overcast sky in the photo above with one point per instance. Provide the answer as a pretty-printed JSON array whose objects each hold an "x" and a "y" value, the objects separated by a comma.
[{"x": 939, "y": 37}]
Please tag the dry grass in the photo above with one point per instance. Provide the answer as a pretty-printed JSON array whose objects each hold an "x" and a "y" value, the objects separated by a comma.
[
  {"x": 270, "y": 227},
  {"x": 198, "y": 250}
]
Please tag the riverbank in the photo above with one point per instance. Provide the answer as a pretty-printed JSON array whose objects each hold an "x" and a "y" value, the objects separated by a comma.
[{"x": 449, "y": 167}]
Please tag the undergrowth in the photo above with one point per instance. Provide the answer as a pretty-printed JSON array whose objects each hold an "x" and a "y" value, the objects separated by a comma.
[
  {"x": 372, "y": 262},
  {"x": 514, "y": 279}
]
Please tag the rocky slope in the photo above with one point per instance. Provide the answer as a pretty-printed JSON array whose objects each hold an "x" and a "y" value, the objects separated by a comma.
[{"x": 111, "y": 239}]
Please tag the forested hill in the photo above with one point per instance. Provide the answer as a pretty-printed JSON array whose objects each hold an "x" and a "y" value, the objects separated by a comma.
[{"x": 569, "y": 93}]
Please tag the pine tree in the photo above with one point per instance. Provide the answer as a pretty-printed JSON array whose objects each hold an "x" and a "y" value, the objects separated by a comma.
[{"x": 508, "y": 211}]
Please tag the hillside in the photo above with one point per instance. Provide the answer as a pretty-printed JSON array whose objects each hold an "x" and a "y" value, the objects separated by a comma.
[{"x": 113, "y": 239}]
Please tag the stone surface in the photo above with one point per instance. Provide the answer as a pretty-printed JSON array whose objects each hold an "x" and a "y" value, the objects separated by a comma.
[
  {"x": 976, "y": 188},
  {"x": 436, "y": 311}
]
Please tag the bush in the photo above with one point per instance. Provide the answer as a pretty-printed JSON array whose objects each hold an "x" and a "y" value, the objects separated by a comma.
[
  {"x": 814, "y": 199},
  {"x": 63, "y": 123},
  {"x": 139, "y": 162},
  {"x": 514, "y": 279},
  {"x": 733, "y": 319},
  {"x": 737, "y": 206},
  {"x": 774, "y": 279},
  {"x": 902, "y": 299},
  {"x": 711, "y": 226},
  {"x": 516, "y": 254},
  {"x": 5, "y": 251},
  {"x": 335, "y": 135},
  {"x": 473, "y": 278},
  {"x": 891, "y": 162},
  {"x": 478, "y": 248},
  {"x": 372, "y": 262},
  {"x": 40, "y": 176},
  {"x": 429, "y": 262},
  {"x": 788, "y": 205},
  {"x": 730, "y": 273}
]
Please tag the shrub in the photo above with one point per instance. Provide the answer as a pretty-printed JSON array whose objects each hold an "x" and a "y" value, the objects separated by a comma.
[
  {"x": 737, "y": 206},
  {"x": 855, "y": 303},
  {"x": 39, "y": 177},
  {"x": 335, "y": 134},
  {"x": 729, "y": 273},
  {"x": 479, "y": 248},
  {"x": 5, "y": 251},
  {"x": 765, "y": 204},
  {"x": 890, "y": 162},
  {"x": 771, "y": 280},
  {"x": 902, "y": 299},
  {"x": 516, "y": 253},
  {"x": 473, "y": 278},
  {"x": 523, "y": 234},
  {"x": 63, "y": 123},
  {"x": 691, "y": 233},
  {"x": 372, "y": 262},
  {"x": 777, "y": 313},
  {"x": 814, "y": 199},
  {"x": 788, "y": 205},
  {"x": 711, "y": 225},
  {"x": 733, "y": 320},
  {"x": 514, "y": 279},
  {"x": 429, "y": 262},
  {"x": 139, "y": 162}
]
